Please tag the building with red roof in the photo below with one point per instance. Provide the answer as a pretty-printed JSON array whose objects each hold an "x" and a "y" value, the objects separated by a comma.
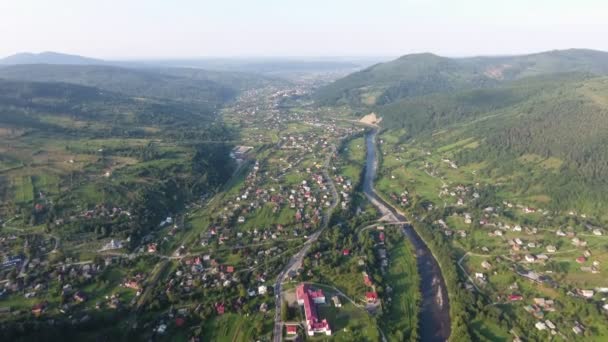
[
  {"x": 179, "y": 322},
  {"x": 515, "y": 297},
  {"x": 291, "y": 329},
  {"x": 219, "y": 308},
  {"x": 308, "y": 298},
  {"x": 371, "y": 297}
]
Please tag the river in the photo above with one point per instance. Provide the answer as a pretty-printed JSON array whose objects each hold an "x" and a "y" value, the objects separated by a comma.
[{"x": 434, "y": 315}]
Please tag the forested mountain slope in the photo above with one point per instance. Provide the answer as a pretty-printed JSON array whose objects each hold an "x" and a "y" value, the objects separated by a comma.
[
  {"x": 134, "y": 82},
  {"x": 37, "y": 104},
  {"x": 551, "y": 108},
  {"x": 423, "y": 74}
]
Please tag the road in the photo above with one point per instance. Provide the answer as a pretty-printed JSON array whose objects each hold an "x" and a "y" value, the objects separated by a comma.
[{"x": 295, "y": 262}]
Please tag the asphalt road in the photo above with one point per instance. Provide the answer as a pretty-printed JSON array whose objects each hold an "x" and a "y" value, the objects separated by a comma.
[{"x": 295, "y": 261}]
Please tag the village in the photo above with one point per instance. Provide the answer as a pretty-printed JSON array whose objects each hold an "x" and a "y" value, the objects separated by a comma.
[
  {"x": 220, "y": 256},
  {"x": 524, "y": 258}
]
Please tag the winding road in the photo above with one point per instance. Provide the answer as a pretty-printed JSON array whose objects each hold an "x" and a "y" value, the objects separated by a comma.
[{"x": 295, "y": 261}]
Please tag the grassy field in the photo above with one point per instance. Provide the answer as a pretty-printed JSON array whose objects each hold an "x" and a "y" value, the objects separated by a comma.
[
  {"x": 23, "y": 189},
  {"x": 348, "y": 323},
  {"x": 233, "y": 327},
  {"x": 402, "y": 314}
]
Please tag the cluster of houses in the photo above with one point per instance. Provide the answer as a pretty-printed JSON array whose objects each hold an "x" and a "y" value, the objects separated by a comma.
[
  {"x": 71, "y": 278},
  {"x": 201, "y": 272},
  {"x": 101, "y": 210}
]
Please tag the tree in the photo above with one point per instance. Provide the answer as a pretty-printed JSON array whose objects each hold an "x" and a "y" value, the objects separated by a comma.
[{"x": 284, "y": 311}]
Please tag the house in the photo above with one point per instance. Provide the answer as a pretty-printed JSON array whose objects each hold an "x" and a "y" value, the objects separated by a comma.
[
  {"x": 371, "y": 297},
  {"x": 515, "y": 297},
  {"x": 230, "y": 269},
  {"x": 345, "y": 252},
  {"x": 586, "y": 293},
  {"x": 540, "y": 326},
  {"x": 308, "y": 299},
  {"x": 485, "y": 264},
  {"x": 581, "y": 259},
  {"x": 530, "y": 258},
  {"x": 551, "y": 249},
  {"x": 219, "y": 308},
  {"x": 132, "y": 284},
  {"x": 336, "y": 301},
  {"x": 152, "y": 248},
  {"x": 38, "y": 309},
  {"x": 180, "y": 321},
  {"x": 291, "y": 329},
  {"x": 550, "y": 325},
  {"x": 262, "y": 289},
  {"x": 79, "y": 297}
]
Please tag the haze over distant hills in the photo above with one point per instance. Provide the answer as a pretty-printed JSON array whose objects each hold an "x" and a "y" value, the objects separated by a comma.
[
  {"x": 276, "y": 66},
  {"x": 49, "y": 58}
]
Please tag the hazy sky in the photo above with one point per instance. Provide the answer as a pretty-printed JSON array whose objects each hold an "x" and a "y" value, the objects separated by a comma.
[{"x": 196, "y": 28}]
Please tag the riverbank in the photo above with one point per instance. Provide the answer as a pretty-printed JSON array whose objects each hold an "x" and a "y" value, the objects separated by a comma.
[{"x": 434, "y": 315}]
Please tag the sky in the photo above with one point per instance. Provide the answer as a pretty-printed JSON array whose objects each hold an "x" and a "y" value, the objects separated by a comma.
[{"x": 131, "y": 29}]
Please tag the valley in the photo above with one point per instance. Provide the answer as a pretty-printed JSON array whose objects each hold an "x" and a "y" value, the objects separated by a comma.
[{"x": 426, "y": 198}]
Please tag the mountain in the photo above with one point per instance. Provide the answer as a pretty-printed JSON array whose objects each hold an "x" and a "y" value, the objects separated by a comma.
[
  {"x": 134, "y": 82},
  {"x": 278, "y": 67},
  {"x": 546, "y": 113},
  {"x": 423, "y": 74},
  {"x": 48, "y": 58},
  {"x": 62, "y": 106}
]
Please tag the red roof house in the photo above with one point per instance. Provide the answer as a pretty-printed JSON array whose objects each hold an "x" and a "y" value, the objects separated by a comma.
[
  {"x": 515, "y": 297},
  {"x": 291, "y": 329},
  {"x": 371, "y": 297},
  {"x": 346, "y": 252},
  {"x": 152, "y": 248},
  {"x": 179, "y": 322},
  {"x": 308, "y": 299},
  {"x": 38, "y": 308},
  {"x": 219, "y": 308}
]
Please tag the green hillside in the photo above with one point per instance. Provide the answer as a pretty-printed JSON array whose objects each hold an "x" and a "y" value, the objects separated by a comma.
[
  {"x": 134, "y": 82},
  {"x": 36, "y": 104},
  {"x": 551, "y": 107},
  {"x": 423, "y": 74},
  {"x": 68, "y": 147},
  {"x": 557, "y": 125}
]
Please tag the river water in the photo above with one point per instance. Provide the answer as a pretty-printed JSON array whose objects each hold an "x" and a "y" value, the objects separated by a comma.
[{"x": 434, "y": 315}]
